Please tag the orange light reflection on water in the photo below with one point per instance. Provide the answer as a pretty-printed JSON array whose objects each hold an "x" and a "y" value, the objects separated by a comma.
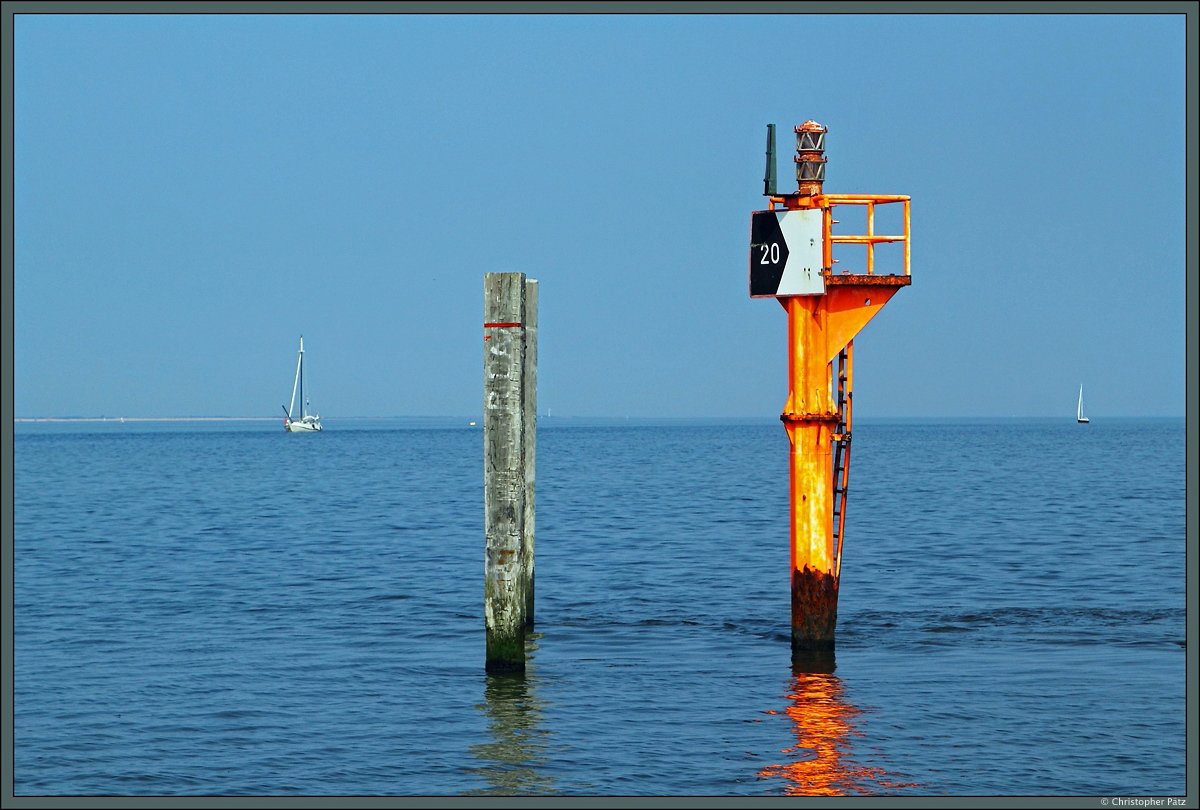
[{"x": 824, "y": 724}]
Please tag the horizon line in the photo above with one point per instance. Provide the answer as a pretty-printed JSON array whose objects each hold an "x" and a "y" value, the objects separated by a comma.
[{"x": 547, "y": 416}]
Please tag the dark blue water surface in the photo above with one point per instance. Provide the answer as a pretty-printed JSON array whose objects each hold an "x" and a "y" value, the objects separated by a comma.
[{"x": 230, "y": 609}]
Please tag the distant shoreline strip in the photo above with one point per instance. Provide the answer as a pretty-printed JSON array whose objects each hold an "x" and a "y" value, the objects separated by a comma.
[{"x": 145, "y": 419}]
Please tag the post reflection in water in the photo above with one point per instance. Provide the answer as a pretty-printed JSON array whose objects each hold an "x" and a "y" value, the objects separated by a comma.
[
  {"x": 824, "y": 725},
  {"x": 518, "y": 745}
]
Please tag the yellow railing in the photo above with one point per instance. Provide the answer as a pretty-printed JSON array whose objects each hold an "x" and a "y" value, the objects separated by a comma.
[{"x": 870, "y": 238}]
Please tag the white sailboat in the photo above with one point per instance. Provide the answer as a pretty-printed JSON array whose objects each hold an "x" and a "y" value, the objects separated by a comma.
[
  {"x": 1079, "y": 417},
  {"x": 305, "y": 422}
]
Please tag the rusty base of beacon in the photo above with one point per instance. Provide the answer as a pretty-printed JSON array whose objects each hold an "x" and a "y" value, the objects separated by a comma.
[{"x": 814, "y": 610}]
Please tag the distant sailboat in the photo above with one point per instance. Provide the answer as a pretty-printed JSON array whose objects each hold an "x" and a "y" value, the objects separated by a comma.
[
  {"x": 306, "y": 423},
  {"x": 1079, "y": 417}
]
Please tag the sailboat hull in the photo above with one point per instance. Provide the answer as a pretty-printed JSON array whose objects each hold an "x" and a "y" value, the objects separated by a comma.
[{"x": 302, "y": 426}]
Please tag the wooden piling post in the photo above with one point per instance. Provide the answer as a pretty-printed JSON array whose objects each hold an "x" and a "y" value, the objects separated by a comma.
[
  {"x": 530, "y": 417},
  {"x": 504, "y": 475}
]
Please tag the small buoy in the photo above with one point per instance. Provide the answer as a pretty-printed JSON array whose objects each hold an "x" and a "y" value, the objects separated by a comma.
[{"x": 472, "y": 424}]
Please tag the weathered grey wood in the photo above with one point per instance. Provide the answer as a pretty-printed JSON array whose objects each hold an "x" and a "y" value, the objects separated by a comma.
[
  {"x": 504, "y": 470},
  {"x": 530, "y": 417}
]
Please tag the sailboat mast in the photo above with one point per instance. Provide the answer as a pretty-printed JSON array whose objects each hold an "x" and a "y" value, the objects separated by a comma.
[
  {"x": 296, "y": 381},
  {"x": 303, "y": 401}
]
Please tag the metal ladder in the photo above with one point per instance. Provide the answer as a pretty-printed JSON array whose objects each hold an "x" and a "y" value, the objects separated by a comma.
[{"x": 841, "y": 454}]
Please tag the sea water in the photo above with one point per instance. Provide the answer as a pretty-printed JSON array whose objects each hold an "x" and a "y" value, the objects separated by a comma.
[{"x": 221, "y": 609}]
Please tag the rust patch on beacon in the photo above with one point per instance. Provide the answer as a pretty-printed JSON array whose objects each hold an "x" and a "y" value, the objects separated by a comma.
[{"x": 814, "y": 609}]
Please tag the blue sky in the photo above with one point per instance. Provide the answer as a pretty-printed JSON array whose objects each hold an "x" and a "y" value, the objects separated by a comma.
[{"x": 192, "y": 193}]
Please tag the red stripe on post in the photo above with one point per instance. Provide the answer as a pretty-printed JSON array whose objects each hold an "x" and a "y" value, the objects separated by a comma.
[{"x": 487, "y": 325}]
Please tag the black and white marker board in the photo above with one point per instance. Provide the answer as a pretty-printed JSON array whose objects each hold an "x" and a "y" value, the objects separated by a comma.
[{"x": 786, "y": 254}]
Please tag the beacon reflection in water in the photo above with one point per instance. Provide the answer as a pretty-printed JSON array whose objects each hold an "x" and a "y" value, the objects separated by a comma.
[{"x": 822, "y": 762}]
